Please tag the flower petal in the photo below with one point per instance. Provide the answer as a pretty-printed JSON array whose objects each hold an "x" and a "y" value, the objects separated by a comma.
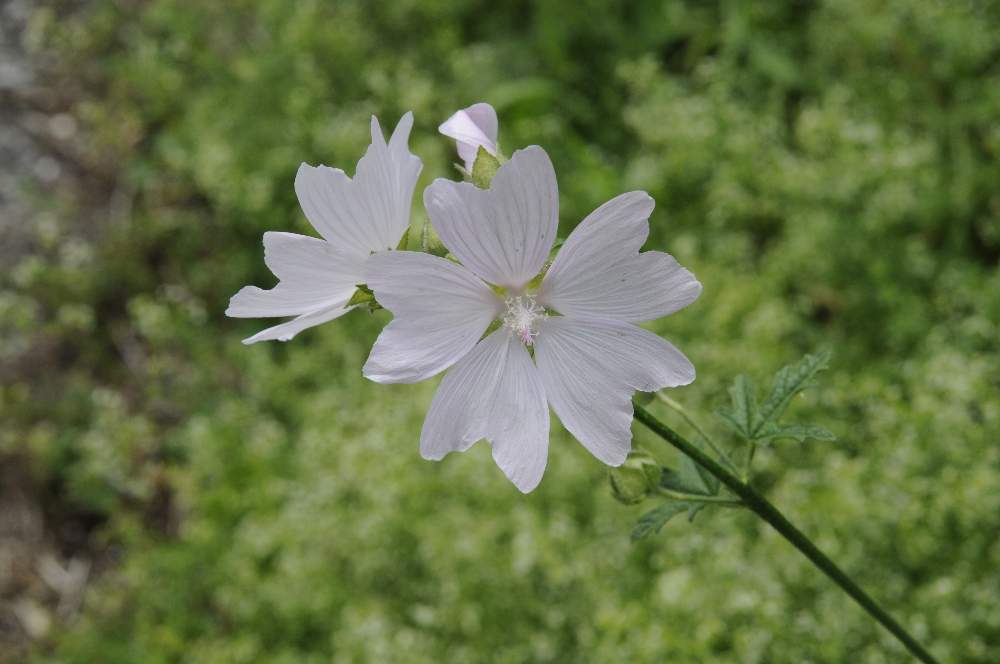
[
  {"x": 286, "y": 331},
  {"x": 600, "y": 273},
  {"x": 370, "y": 212},
  {"x": 313, "y": 275},
  {"x": 590, "y": 369},
  {"x": 472, "y": 128},
  {"x": 494, "y": 392},
  {"x": 504, "y": 233},
  {"x": 440, "y": 311}
]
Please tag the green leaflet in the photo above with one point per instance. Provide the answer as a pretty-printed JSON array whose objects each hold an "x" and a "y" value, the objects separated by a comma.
[
  {"x": 799, "y": 432},
  {"x": 788, "y": 382},
  {"x": 759, "y": 424},
  {"x": 690, "y": 478},
  {"x": 653, "y": 521},
  {"x": 743, "y": 416}
]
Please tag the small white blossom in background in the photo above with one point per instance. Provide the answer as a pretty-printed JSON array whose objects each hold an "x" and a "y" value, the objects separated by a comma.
[
  {"x": 579, "y": 321},
  {"x": 473, "y": 128},
  {"x": 354, "y": 217}
]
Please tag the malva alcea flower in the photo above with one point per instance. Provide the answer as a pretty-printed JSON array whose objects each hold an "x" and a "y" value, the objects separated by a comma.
[
  {"x": 569, "y": 340},
  {"x": 473, "y": 128},
  {"x": 354, "y": 217}
]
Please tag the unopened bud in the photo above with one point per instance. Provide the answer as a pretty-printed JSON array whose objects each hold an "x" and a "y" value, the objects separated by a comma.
[{"x": 635, "y": 479}]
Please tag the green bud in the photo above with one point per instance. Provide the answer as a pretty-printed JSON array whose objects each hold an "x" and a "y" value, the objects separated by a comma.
[
  {"x": 484, "y": 168},
  {"x": 634, "y": 480}
]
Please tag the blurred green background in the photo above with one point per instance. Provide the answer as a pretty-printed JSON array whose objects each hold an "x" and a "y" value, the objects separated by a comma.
[{"x": 828, "y": 169}]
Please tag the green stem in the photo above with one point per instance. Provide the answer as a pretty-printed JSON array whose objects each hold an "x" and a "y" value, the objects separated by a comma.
[{"x": 765, "y": 510}]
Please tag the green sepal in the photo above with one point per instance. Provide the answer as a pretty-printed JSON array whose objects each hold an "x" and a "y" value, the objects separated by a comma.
[
  {"x": 405, "y": 240},
  {"x": 484, "y": 168},
  {"x": 560, "y": 241},
  {"x": 364, "y": 296},
  {"x": 430, "y": 243}
]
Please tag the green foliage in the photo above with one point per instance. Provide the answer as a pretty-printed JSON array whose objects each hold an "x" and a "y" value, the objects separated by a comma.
[
  {"x": 828, "y": 170},
  {"x": 759, "y": 425},
  {"x": 689, "y": 478},
  {"x": 653, "y": 521}
]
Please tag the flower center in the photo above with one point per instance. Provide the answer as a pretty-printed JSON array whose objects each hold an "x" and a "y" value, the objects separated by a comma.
[{"x": 522, "y": 317}]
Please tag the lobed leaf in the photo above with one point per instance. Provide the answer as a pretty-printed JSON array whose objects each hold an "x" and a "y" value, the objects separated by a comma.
[
  {"x": 799, "y": 432},
  {"x": 742, "y": 416},
  {"x": 788, "y": 382},
  {"x": 653, "y": 521}
]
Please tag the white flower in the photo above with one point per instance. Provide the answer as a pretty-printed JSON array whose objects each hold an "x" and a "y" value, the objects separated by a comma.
[
  {"x": 355, "y": 218},
  {"x": 472, "y": 128},
  {"x": 589, "y": 355}
]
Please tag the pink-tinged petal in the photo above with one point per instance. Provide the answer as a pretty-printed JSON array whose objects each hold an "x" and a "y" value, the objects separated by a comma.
[
  {"x": 600, "y": 273},
  {"x": 590, "y": 369},
  {"x": 440, "y": 311},
  {"x": 503, "y": 233},
  {"x": 370, "y": 212},
  {"x": 495, "y": 393},
  {"x": 472, "y": 128},
  {"x": 316, "y": 282}
]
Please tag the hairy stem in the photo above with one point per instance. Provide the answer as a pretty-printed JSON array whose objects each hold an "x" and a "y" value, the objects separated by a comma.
[{"x": 768, "y": 512}]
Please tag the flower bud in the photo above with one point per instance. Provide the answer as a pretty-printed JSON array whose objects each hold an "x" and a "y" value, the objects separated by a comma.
[
  {"x": 635, "y": 479},
  {"x": 474, "y": 129}
]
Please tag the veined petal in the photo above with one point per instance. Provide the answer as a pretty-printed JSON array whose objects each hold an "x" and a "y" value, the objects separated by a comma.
[
  {"x": 503, "y": 233},
  {"x": 590, "y": 369},
  {"x": 440, "y": 311},
  {"x": 600, "y": 273},
  {"x": 286, "y": 331},
  {"x": 370, "y": 212},
  {"x": 472, "y": 128},
  {"x": 313, "y": 276},
  {"x": 494, "y": 392}
]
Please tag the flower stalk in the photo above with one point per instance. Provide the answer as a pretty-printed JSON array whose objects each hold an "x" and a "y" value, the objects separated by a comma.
[{"x": 763, "y": 508}]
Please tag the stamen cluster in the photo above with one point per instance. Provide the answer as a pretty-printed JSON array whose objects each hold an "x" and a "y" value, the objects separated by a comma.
[{"x": 522, "y": 317}]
